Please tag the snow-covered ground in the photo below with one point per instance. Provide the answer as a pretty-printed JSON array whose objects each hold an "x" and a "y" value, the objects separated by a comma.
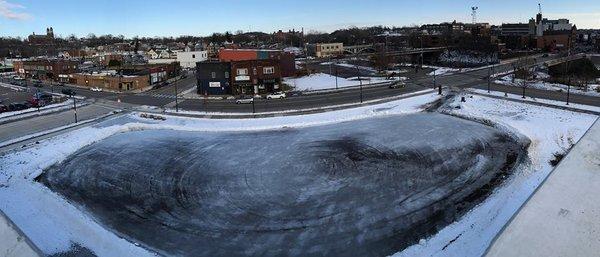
[
  {"x": 54, "y": 224},
  {"x": 471, "y": 58},
  {"x": 320, "y": 81},
  {"x": 550, "y": 130},
  {"x": 541, "y": 84}
]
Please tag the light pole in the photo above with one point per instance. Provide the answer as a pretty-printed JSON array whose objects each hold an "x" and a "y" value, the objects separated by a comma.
[
  {"x": 74, "y": 107},
  {"x": 360, "y": 81},
  {"x": 569, "y": 90},
  {"x": 489, "y": 78},
  {"x": 524, "y": 83},
  {"x": 176, "y": 97},
  {"x": 434, "y": 79},
  {"x": 336, "y": 77}
]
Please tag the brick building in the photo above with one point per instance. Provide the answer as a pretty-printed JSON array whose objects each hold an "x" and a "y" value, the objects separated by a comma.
[
  {"x": 111, "y": 81},
  {"x": 287, "y": 61},
  {"x": 42, "y": 40},
  {"x": 556, "y": 40},
  {"x": 45, "y": 69},
  {"x": 246, "y": 77},
  {"x": 255, "y": 76}
]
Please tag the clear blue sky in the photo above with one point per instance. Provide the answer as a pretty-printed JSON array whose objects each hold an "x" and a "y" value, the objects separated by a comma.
[{"x": 198, "y": 17}]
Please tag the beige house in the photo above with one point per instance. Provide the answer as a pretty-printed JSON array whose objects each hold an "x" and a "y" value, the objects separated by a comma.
[{"x": 326, "y": 49}]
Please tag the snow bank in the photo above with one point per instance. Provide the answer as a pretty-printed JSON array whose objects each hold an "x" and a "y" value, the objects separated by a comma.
[
  {"x": 549, "y": 130},
  {"x": 54, "y": 224},
  {"x": 320, "y": 81},
  {"x": 540, "y": 84}
]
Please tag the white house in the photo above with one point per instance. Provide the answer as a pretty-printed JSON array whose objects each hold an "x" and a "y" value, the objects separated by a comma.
[{"x": 189, "y": 59}]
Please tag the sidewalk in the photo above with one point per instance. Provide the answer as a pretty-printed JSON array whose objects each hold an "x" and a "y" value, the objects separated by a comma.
[{"x": 562, "y": 217}]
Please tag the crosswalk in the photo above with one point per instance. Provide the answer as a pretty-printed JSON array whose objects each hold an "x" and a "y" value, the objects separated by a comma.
[{"x": 158, "y": 95}]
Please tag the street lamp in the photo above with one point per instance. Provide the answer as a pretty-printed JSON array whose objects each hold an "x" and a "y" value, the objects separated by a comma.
[
  {"x": 74, "y": 106},
  {"x": 336, "y": 77},
  {"x": 434, "y": 79},
  {"x": 176, "y": 102},
  {"x": 569, "y": 90},
  {"x": 489, "y": 78},
  {"x": 360, "y": 81}
]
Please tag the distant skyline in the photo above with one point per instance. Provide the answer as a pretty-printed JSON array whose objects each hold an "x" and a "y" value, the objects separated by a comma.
[{"x": 201, "y": 18}]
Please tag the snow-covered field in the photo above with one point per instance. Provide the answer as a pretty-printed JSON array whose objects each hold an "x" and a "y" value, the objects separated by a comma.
[
  {"x": 550, "y": 130},
  {"x": 54, "y": 224},
  {"x": 320, "y": 81},
  {"x": 540, "y": 84}
]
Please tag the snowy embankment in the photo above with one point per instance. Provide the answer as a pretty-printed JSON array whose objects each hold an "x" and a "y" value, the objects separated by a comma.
[
  {"x": 54, "y": 224},
  {"x": 550, "y": 131},
  {"x": 592, "y": 90},
  {"x": 321, "y": 81}
]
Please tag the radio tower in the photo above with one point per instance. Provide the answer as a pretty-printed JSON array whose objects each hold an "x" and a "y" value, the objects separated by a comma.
[{"x": 474, "y": 14}]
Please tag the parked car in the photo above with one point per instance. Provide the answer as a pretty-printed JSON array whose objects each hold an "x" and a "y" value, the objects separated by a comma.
[
  {"x": 96, "y": 89},
  {"x": 279, "y": 95},
  {"x": 3, "y": 108},
  {"x": 17, "y": 107},
  {"x": 244, "y": 101},
  {"x": 43, "y": 97},
  {"x": 68, "y": 91},
  {"x": 399, "y": 84},
  {"x": 38, "y": 84},
  {"x": 295, "y": 93}
]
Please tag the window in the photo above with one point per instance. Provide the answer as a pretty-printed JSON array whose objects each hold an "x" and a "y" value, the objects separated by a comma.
[
  {"x": 226, "y": 74},
  {"x": 213, "y": 75},
  {"x": 242, "y": 72},
  {"x": 268, "y": 70},
  {"x": 193, "y": 56}
]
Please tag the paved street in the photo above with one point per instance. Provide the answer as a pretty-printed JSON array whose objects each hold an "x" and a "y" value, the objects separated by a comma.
[
  {"x": 165, "y": 96},
  {"x": 38, "y": 124}
]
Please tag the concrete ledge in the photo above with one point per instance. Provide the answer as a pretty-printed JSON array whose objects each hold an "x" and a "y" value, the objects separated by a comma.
[
  {"x": 13, "y": 243},
  {"x": 562, "y": 217}
]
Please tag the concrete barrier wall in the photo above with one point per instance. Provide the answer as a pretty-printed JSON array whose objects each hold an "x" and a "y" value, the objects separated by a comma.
[{"x": 13, "y": 243}]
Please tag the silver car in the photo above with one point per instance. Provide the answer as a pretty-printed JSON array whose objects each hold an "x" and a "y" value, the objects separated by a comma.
[{"x": 244, "y": 101}]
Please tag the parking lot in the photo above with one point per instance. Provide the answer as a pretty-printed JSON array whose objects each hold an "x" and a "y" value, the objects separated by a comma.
[{"x": 8, "y": 96}]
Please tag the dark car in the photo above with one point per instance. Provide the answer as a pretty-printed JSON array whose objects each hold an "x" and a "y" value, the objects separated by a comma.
[
  {"x": 42, "y": 96},
  {"x": 398, "y": 84},
  {"x": 68, "y": 91},
  {"x": 3, "y": 108},
  {"x": 37, "y": 84},
  {"x": 17, "y": 107}
]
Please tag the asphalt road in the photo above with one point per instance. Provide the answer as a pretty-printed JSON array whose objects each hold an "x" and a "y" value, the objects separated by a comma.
[
  {"x": 12, "y": 130},
  {"x": 417, "y": 81}
]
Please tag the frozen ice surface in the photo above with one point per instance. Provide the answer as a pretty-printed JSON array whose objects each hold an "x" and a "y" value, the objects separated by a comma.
[{"x": 369, "y": 187}]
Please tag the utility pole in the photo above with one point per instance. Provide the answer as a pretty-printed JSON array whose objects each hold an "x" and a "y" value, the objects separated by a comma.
[
  {"x": 524, "y": 84},
  {"x": 360, "y": 81},
  {"x": 74, "y": 107},
  {"x": 176, "y": 97},
  {"x": 434, "y": 80},
  {"x": 421, "y": 66},
  {"x": 569, "y": 90},
  {"x": 336, "y": 77},
  {"x": 489, "y": 78},
  {"x": 37, "y": 95},
  {"x": 569, "y": 81}
]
